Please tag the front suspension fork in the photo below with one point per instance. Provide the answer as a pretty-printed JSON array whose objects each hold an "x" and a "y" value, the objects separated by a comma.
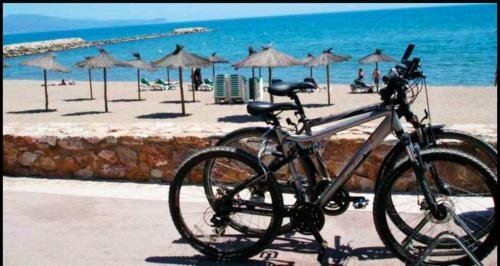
[{"x": 413, "y": 151}]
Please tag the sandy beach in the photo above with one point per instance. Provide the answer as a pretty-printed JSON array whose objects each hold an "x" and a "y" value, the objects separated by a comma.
[{"x": 22, "y": 99}]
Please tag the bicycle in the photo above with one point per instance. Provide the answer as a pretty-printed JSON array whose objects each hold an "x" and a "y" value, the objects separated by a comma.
[
  {"x": 249, "y": 192},
  {"x": 426, "y": 135}
]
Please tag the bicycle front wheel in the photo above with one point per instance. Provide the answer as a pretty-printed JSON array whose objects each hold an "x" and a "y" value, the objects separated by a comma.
[
  {"x": 405, "y": 224},
  {"x": 207, "y": 221}
]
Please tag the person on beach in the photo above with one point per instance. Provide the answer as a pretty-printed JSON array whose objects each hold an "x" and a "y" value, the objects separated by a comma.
[
  {"x": 196, "y": 78},
  {"x": 361, "y": 75},
  {"x": 376, "y": 77}
]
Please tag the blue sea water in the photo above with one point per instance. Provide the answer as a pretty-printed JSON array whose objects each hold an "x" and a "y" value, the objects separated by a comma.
[{"x": 457, "y": 45}]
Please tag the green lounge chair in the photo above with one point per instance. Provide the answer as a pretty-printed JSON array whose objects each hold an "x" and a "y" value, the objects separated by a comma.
[
  {"x": 237, "y": 89},
  {"x": 145, "y": 84},
  {"x": 221, "y": 88},
  {"x": 166, "y": 85},
  {"x": 207, "y": 85}
]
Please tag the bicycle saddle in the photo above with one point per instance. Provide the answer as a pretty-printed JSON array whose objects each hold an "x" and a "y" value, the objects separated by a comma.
[
  {"x": 265, "y": 108},
  {"x": 287, "y": 89}
]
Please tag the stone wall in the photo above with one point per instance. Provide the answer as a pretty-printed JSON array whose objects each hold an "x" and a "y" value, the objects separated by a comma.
[{"x": 147, "y": 158}]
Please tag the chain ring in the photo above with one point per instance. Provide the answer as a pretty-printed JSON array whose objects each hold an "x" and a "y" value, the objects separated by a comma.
[
  {"x": 339, "y": 202},
  {"x": 305, "y": 215}
]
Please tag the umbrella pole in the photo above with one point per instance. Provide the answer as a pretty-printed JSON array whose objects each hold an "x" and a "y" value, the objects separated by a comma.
[
  {"x": 328, "y": 82},
  {"x": 193, "y": 84},
  {"x": 376, "y": 69},
  {"x": 182, "y": 91},
  {"x": 260, "y": 75},
  {"x": 270, "y": 78},
  {"x": 105, "y": 92},
  {"x": 168, "y": 76},
  {"x": 139, "y": 83},
  {"x": 46, "y": 93},
  {"x": 90, "y": 83},
  {"x": 310, "y": 72},
  {"x": 253, "y": 72}
]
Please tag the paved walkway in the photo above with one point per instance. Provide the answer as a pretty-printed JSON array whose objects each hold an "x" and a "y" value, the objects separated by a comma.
[{"x": 68, "y": 222}]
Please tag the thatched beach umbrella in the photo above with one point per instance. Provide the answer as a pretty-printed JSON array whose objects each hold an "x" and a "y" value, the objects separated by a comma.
[
  {"x": 216, "y": 60},
  {"x": 46, "y": 63},
  {"x": 308, "y": 60},
  {"x": 268, "y": 57},
  {"x": 179, "y": 59},
  {"x": 325, "y": 59},
  {"x": 104, "y": 61},
  {"x": 376, "y": 57},
  {"x": 81, "y": 64},
  {"x": 139, "y": 64}
]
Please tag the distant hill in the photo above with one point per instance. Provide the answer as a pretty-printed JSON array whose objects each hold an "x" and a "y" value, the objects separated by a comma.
[{"x": 38, "y": 23}]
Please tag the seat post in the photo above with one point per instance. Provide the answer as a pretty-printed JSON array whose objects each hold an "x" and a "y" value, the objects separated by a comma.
[{"x": 301, "y": 112}]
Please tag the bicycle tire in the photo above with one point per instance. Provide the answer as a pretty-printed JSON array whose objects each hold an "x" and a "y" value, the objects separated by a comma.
[
  {"x": 265, "y": 238},
  {"x": 383, "y": 190}
]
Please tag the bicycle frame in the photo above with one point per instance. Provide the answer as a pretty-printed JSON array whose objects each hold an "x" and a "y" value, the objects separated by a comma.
[{"x": 391, "y": 123}]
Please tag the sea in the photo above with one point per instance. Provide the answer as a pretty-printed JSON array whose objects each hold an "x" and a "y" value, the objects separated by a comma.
[{"x": 457, "y": 44}]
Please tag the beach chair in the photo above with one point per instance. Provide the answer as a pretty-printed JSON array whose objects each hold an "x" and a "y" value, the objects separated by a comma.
[
  {"x": 165, "y": 85},
  {"x": 146, "y": 85},
  {"x": 238, "y": 91},
  {"x": 221, "y": 88},
  {"x": 207, "y": 85}
]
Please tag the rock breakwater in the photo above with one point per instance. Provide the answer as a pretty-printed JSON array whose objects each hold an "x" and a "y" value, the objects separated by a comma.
[{"x": 20, "y": 49}]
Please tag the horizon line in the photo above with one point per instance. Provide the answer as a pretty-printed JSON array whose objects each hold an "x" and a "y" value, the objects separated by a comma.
[{"x": 443, "y": 5}]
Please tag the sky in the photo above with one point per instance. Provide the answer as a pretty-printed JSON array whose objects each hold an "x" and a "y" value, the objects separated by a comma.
[{"x": 188, "y": 12}]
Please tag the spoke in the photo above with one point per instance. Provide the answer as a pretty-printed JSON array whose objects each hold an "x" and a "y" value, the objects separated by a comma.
[
  {"x": 417, "y": 229},
  {"x": 230, "y": 167}
]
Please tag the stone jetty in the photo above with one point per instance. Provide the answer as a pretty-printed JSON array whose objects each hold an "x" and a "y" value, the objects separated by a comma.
[{"x": 20, "y": 49}]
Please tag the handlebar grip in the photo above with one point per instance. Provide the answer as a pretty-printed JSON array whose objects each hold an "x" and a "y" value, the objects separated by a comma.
[{"x": 408, "y": 52}]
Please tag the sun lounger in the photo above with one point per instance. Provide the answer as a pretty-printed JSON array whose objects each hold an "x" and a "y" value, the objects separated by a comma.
[
  {"x": 238, "y": 91},
  {"x": 146, "y": 85},
  {"x": 166, "y": 85},
  {"x": 221, "y": 88},
  {"x": 207, "y": 85}
]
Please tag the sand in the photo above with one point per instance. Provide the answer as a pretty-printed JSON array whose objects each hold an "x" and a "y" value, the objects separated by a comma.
[{"x": 22, "y": 100}]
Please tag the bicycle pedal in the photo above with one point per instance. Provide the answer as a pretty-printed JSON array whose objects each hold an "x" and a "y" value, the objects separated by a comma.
[{"x": 359, "y": 202}]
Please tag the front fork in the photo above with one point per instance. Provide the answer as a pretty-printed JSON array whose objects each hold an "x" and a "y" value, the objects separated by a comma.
[{"x": 437, "y": 210}]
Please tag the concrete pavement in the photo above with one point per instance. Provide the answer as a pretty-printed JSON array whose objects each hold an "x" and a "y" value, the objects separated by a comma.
[{"x": 68, "y": 222}]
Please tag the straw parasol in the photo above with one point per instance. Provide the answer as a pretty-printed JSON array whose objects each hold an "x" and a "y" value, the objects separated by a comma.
[
  {"x": 325, "y": 59},
  {"x": 139, "y": 64},
  {"x": 307, "y": 60},
  {"x": 216, "y": 60},
  {"x": 104, "y": 61},
  {"x": 268, "y": 57},
  {"x": 376, "y": 57},
  {"x": 46, "y": 63},
  {"x": 81, "y": 64},
  {"x": 179, "y": 59}
]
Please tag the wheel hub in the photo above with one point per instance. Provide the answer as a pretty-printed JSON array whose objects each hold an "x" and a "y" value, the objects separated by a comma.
[{"x": 306, "y": 216}]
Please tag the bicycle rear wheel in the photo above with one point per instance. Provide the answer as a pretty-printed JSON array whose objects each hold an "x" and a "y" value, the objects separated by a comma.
[{"x": 207, "y": 222}]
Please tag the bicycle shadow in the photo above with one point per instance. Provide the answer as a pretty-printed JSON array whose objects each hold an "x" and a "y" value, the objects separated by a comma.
[{"x": 339, "y": 254}]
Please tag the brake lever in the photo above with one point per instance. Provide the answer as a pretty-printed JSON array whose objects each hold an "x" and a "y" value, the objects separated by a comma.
[{"x": 425, "y": 116}]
